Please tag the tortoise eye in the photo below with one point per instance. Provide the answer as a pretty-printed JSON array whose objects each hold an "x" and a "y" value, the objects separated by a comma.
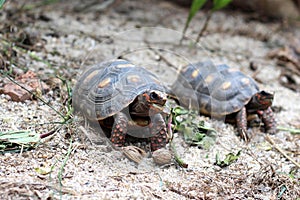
[
  {"x": 264, "y": 95},
  {"x": 154, "y": 96}
]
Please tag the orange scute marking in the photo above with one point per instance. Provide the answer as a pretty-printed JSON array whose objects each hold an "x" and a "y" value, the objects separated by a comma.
[
  {"x": 245, "y": 81},
  {"x": 134, "y": 79},
  {"x": 104, "y": 83},
  {"x": 195, "y": 73},
  {"x": 125, "y": 65},
  {"x": 226, "y": 85},
  {"x": 233, "y": 69},
  {"x": 90, "y": 76},
  {"x": 209, "y": 79}
]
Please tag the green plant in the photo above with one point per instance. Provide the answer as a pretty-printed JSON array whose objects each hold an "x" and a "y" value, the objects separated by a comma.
[
  {"x": 229, "y": 159},
  {"x": 16, "y": 141},
  {"x": 194, "y": 130},
  {"x": 2, "y": 3},
  {"x": 196, "y": 6}
]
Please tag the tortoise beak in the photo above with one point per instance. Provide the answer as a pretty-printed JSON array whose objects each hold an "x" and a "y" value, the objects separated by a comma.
[
  {"x": 158, "y": 105},
  {"x": 166, "y": 109},
  {"x": 161, "y": 108},
  {"x": 266, "y": 98}
]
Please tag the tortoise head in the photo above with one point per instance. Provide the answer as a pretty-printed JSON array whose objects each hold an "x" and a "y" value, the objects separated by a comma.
[
  {"x": 155, "y": 100},
  {"x": 261, "y": 100},
  {"x": 149, "y": 102}
]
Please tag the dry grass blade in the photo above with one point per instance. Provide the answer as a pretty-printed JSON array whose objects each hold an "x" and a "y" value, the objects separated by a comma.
[
  {"x": 134, "y": 153},
  {"x": 281, "y": 151},
  {"x": 16, "y": 140},
  {"x": 293, "y": 131},
  {"x": 18, "y": 189}
]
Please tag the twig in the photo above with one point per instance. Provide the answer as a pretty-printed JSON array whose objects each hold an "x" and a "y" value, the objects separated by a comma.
[
  {"x": 21, "y": 151},
  {"x": 169, "y": 128},
  {"x": 59, "y": 176},
  {"x": 267, "y": 137},
  {"x": 44, "y": 135},
  {"x": 184, "y": 194},
  {"x": 11, "y": 182},
  {"x": 204, "y": 26},
  {"x": 178, "y": 160}
]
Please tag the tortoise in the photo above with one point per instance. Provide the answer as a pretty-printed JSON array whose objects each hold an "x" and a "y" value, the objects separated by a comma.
[
  {"x": 125, "y": 100},
  {"x": 224, "y": 93}
]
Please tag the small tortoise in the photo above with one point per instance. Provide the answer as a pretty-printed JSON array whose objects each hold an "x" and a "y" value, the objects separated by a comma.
[
  {"x": 224, "y": 92},
  {"x": 124, "y": 99}
]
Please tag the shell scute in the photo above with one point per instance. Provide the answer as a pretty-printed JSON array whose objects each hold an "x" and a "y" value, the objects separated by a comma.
[
  {"x": 220, "y": 90},
  {"x": 107, "y": 88}
]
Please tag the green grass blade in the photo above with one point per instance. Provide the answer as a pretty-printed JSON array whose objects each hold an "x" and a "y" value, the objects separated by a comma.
[
  {"x": 219, "y": 4},
  {"x": 2, "y": 3},
  {"x": 31, "y": 6},
  {"x": 196, "y": 5},
  {"x": 293, "y": 131}
]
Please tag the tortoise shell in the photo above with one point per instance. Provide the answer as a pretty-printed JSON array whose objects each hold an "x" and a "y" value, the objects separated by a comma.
[
  {"x": 214, "y": 90},
  {"x": 109, "y": 87}
]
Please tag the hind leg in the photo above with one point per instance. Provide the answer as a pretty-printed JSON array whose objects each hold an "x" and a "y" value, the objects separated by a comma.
[
  {"x": 119, "y": 130},
  {"x": 159, "y": 132}
]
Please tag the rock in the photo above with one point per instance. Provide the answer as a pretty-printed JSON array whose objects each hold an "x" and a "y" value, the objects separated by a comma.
[
  {"x": 30, "y": 82},
  {"x": 270, "y": 8},
  {"x": 162, "y": 156},
  {"x": 16, "y": 92}
]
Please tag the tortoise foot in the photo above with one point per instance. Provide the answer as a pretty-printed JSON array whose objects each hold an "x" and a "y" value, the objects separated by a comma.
[
  {"x": 268, "y": 120},
  {"x": 159, "y": 132},
  {"x": 119, "y": 130},
  {"x": 160, "y": 140}
]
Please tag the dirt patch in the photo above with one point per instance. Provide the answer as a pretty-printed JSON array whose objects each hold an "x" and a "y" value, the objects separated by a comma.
[{"x": 62, "y": 38}]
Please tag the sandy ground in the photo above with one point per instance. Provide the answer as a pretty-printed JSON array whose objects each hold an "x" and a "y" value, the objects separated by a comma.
[{"x": 147, "y": 33}]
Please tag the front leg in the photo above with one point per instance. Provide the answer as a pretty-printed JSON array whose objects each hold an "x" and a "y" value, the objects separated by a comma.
[
  {"x": 268, "y": 120},
  {"x": 159, "y": 132},
  {"x": 119, "y": 130},
  {"x": 241, "y": 122}
]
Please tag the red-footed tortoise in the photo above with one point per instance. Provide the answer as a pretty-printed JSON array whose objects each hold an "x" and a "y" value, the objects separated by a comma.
[
  {"x": 125, "y": 99},
  {"x": 224, "y": 92}
]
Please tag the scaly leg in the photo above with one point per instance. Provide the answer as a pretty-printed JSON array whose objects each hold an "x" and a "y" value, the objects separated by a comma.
[
  {"x": 159, "y": 132},
  {"x": 241, "y": 122},
  {"x": 119, "y": 130},
  {"x": 268, "y": 120}
]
